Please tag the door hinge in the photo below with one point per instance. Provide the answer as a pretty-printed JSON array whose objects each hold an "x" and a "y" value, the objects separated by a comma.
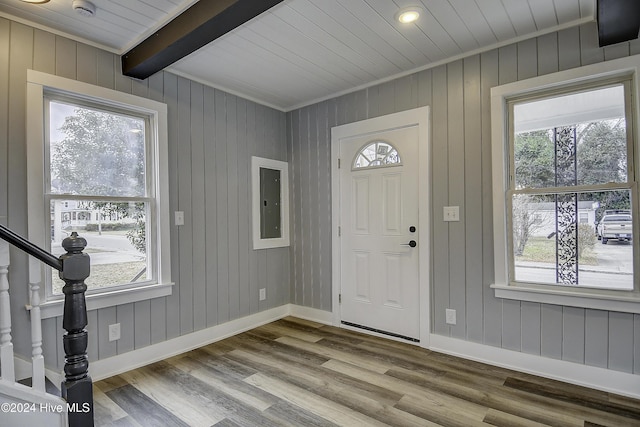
[
  {"x": 338, "y": 163},
  {"x": 339, "y": 298},
  {"x": 339, "y": 231}
]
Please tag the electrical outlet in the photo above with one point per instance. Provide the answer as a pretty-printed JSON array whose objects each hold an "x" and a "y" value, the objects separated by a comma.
[
  {"x": 451, "y": 213},
  {"x": 114, "y": 332},
  {"x": 450, "y": 315},
  {"x": 263, "y": 294},
  {"x": 179, "y": 218}
]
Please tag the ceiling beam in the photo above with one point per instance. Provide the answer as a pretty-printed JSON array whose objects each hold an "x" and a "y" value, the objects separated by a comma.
[
  {"x": 197, "y": 26},
  {"x": 618, "y": 21}
]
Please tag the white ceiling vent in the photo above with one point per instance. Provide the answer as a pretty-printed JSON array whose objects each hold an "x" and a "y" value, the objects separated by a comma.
[{"x": 84, "y": 8}]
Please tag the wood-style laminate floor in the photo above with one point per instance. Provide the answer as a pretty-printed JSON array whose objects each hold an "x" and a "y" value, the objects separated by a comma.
[{"x": 299, "y": 373}]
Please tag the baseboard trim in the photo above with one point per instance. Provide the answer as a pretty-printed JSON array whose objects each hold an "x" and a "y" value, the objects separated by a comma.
[
  {"x": 313, "y": 314},
  {"x": 24, "y": 369},
  {"x": 105, "y": 368},
  {"x": 574, "y": 373},
  {"x": 21, "y": 367},
  {"x": 588, "y": 376},
  {"x": 583, "y": 375},
  {"x": 57, "y": 378}
]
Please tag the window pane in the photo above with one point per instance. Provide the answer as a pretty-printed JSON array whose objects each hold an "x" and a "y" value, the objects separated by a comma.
[
  {"x": 575, "y": 139},
  {"x": 376, "y": 154},
  {"x": 116, "y": 240},
  {"x": 95, "y": 152},
  {"x": 556, "y": 240}
]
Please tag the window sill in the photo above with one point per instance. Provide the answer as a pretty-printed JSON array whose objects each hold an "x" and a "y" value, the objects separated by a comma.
[
  {"x": 109, "y": 299},
  {"x": 594, "y": 300}
]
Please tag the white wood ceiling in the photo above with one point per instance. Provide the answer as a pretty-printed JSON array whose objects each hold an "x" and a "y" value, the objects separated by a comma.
[{"x": 302, "y": 51}]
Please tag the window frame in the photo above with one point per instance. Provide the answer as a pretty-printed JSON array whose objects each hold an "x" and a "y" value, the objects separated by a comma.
[
  {"x": 501, "y": 97},
  {"x": 40, "y": 86},
  {"x": 50, "y": 96}
]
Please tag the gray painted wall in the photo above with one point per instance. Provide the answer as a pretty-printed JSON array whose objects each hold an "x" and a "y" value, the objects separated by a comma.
[
  {"x": 462, "y": 262},
  {"x": 212, "y": 136}
]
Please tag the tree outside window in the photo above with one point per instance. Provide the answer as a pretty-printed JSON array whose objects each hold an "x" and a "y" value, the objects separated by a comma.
[
  {"x": 97, "y": 163},
  {"x": 568, "y": 166}
]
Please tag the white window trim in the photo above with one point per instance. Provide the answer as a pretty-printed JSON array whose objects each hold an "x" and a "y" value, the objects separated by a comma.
[
  {"x": 283, "y": 167},
  {"x": 622, "y": 301},
  {"x": 37, "y": 84}
]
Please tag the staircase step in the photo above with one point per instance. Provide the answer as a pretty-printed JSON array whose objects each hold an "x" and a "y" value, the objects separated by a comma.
[{"x": 49, "y": 387}]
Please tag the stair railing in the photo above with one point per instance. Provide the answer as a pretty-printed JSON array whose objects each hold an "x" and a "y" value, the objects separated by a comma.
[{"x": 73, "y": 267}]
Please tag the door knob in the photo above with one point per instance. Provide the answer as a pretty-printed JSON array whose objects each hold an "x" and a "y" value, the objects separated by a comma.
[{"x": 411, "y": 243}]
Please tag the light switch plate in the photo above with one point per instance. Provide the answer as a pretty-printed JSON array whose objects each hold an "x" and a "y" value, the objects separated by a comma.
[
  {"x": 450, "y": 316},
  {"x": 451, "y": 213},
  {"x": 179, "y": 218},
  {"x": 114, "y": 332}
]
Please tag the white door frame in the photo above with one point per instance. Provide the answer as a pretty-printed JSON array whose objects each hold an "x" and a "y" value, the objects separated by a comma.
[{"x": 416, "y": 117}]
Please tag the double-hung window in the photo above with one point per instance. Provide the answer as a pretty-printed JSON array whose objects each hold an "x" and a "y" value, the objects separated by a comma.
[
  {"x": 97, "y": 166},
  {"x": 565, "y": 154}
]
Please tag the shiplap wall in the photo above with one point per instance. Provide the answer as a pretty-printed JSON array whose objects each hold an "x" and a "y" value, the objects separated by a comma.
[
  {"x": 212, "y": 136},
  {"x": 462, "y": 262}
]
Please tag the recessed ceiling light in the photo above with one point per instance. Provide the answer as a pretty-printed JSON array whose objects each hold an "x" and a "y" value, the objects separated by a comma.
[
  {"x": 36, "y": 1},
  {"x": 408, "y": 15}
]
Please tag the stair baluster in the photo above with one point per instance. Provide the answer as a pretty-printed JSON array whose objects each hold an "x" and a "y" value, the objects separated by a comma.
[
  {"x": 37, "y": 359},
  {"x": 6, "y": 346}
]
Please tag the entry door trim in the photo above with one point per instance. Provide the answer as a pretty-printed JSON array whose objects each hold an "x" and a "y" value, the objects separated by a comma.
[{"x": 415, "y": 117}]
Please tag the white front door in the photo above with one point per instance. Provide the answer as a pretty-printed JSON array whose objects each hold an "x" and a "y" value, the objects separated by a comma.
[{"x": 379, "y": 227}]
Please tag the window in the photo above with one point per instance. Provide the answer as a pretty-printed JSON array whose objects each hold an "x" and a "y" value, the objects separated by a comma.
[
  {"x": 563, "y": 150},
  {"x": 94, "y": 157},
  {"x": 560, "y": 143},
  {"x": 376, "y": 154}
]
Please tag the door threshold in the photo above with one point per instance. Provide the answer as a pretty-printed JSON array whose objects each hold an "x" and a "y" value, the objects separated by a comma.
[{"x": 379, "y": 331}]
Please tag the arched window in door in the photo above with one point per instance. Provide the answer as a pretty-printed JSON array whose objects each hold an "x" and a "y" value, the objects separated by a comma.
[{"x": 377, "y": 154}]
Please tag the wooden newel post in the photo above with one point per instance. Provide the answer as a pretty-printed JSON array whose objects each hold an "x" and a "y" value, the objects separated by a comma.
[{"x": 77, "y": 388}]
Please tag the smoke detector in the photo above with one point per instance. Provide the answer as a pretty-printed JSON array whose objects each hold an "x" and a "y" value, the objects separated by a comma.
[{"x": 84, "y": 8}]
